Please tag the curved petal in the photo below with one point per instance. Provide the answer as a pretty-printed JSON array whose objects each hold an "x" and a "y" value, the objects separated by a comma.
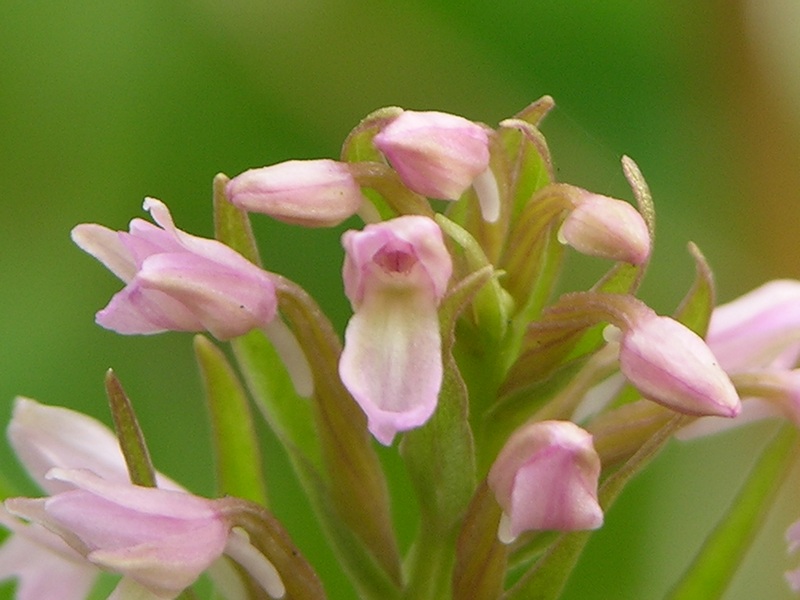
[
  {"x": 757, "y": 328},
  {"x": 106, "y": 246},
  {"x": 136, "y": 310},
  {"x": 42, "y": 573},
  {"x": 392, "y": 361},
  {"x": 44, "y": 437},
  {"x": 226, "y": 302}
]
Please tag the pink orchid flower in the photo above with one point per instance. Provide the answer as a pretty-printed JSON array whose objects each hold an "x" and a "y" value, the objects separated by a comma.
[
  {"x": 756, "y": 339},
  {"x": 545, "y": 477},
  {"x": 436, "y": 154},
  {"x": 158, "y": 538},
  {"x": 44, "y": 437},
  {"x": 176, "y": 281},
  {"x": 395, "y": 274}
]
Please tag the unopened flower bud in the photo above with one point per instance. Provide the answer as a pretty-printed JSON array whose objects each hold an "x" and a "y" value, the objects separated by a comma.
[
  {"x": 435, "y": 154},
  {"x": 545, "y": 477},
  {"x": 670, "y": 364},
  {"x": 607, "y": 228},
  {"x": 313, "y": 193}
]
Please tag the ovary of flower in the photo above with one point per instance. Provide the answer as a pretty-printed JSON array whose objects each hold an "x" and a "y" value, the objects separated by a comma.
[
  {"x": 176, "y": 281},
  {"x": 395, "y": 274},
  {"x": 545, "y": 477},
  {"x": 436, "y": 154}
]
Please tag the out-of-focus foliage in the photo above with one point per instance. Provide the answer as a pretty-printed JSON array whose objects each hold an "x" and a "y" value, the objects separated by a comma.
[{"x": 104, "y": 103}]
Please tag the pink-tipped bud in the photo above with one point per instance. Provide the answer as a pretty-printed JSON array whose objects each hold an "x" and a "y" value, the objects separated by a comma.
[
  {"x": 670, "y": 364},
  {"x": 313, "y": 193},
  {"x": 435, "y": 154},
  {"x": 545, "y": 477},
  {"x": 607, "y": 228}
]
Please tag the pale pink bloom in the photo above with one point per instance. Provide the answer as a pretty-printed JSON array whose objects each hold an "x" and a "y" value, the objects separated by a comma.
[
  {"x": 545, "y": 477},
  {"x": 162, "y": 539},
  {"x": 395, "y": 273},
  {"x": 44, "y": 437},
  {"x": 670, "y": 364},
  {"x": 758, "y": 329},
  {"x": 314, "y": 193},
  {"x": 43, "y": 565},
  {"x": 176, "y": 281},
  {"x": 436, "y": 154},
  {"x": 793, "y": 540},
  {"x": 57, "y": 445},
  {"x": 758, "y": 334},
  {"x": 607, "y": 228}
]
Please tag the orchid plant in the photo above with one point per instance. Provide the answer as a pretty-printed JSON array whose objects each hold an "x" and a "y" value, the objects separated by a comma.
[{"x": 521, "y": 411}]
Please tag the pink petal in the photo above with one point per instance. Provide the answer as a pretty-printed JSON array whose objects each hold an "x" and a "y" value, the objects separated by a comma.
[
  {"x": 392, "y": 362},
  {"x": 671, "y": 365},
  {"x": 43, "y": 574},
  {"x": 758, "y": 328}
]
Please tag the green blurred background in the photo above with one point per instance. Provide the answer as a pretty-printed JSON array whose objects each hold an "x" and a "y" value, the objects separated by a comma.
[{"x": 102, "y": 103}]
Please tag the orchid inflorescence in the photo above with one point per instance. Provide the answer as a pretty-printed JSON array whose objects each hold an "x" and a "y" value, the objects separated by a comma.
[{"x": 521, "y": 411}]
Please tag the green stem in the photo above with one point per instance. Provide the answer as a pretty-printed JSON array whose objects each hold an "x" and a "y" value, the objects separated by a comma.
[
  {"x": 716, "y": 563},
  {"x": 430, "y": 566}
]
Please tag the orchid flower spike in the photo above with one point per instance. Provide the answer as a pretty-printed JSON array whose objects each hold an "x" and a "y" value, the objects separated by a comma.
[
  {"x": 176, "y": 281},
  {"x": 436, "y": 154},
  {"x": 395, "y": 274},
  {"x": 313, "y": 193},
  {"x": 545, "y": 477}
]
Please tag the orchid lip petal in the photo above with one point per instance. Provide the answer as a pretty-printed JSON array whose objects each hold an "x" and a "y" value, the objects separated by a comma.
[{"x": 395, "y": 274}]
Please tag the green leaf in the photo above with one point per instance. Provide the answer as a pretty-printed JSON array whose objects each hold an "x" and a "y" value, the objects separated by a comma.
[
  {"x": 696, "y": 307},
  {"x": 357, "y": 483},
  {"x": 236, "y": 449},
  {"x": 529, "y": 158},
  {"x": 131, "y": 439},
  {"x": 440, "y": 459},
  {"x": 231, "y": 224},
  {"x": 358, "y": 145},
  {"x": 289, "y": 415},
  {"x": 481, "y": 558},
  {"x": 715, "y": 565},
  {"x": 536, "y": 110}
]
